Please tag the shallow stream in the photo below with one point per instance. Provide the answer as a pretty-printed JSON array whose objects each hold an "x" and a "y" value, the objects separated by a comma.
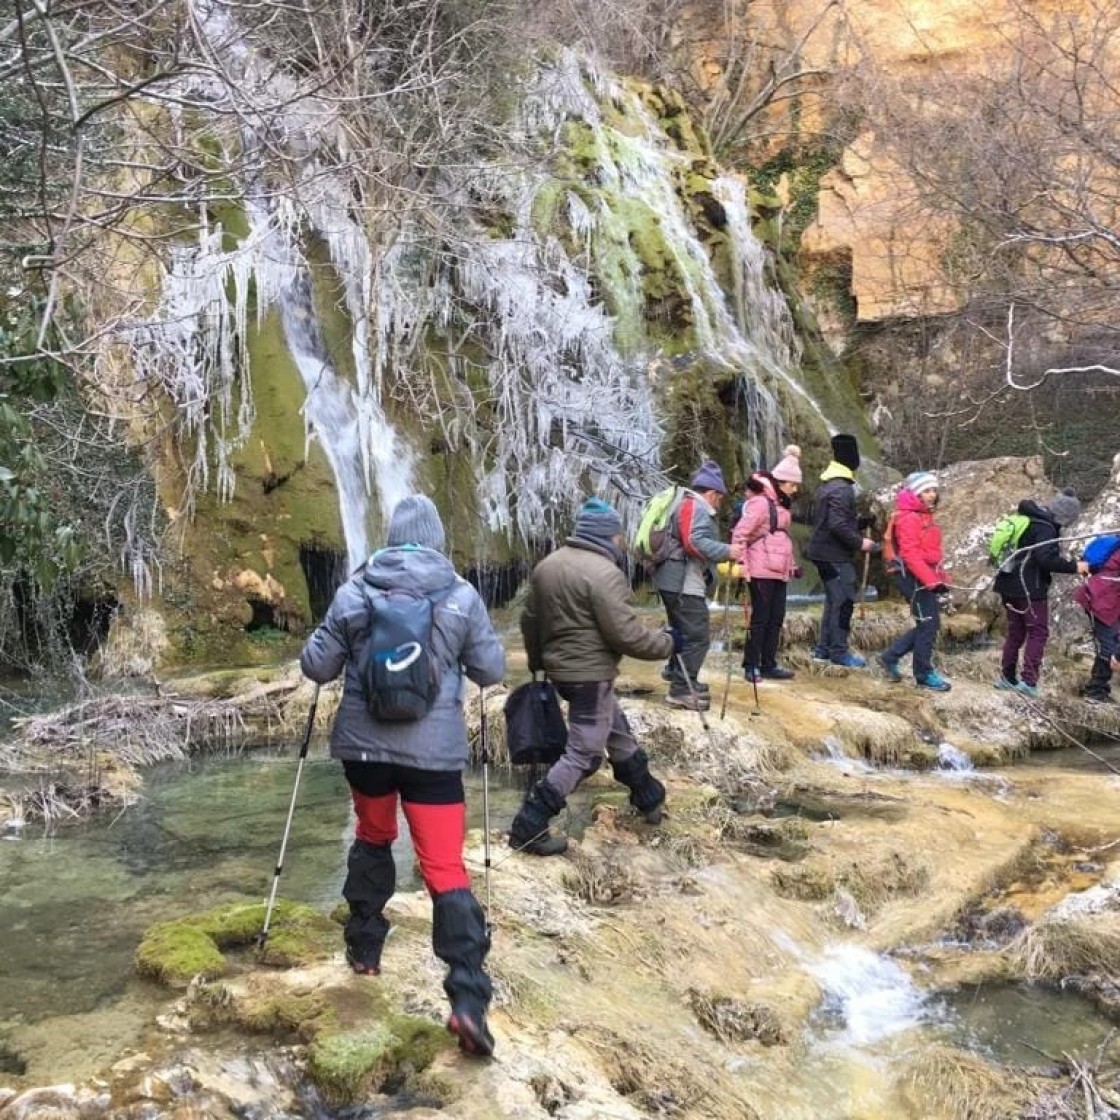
[{"x": 205, "y": 833}]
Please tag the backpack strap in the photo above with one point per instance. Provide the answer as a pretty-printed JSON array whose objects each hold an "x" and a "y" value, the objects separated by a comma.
[{"x": 686, "y": 513}]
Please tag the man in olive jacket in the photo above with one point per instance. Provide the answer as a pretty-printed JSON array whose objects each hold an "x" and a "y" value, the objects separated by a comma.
[{"x": 577, "y": 624}]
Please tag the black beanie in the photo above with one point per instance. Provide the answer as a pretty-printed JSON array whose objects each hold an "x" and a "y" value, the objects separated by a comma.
[{"x": 845, "y": 451}]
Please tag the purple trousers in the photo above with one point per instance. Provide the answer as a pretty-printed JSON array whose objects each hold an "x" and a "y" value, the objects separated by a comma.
[{"x": 1028, "y": 624}]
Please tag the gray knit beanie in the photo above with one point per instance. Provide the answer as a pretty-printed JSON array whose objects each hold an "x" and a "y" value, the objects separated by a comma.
[
  {"x": 597, "y": 521},
  {"x": 415, "y": 520},
  {"x": 1064, "y": 506}
]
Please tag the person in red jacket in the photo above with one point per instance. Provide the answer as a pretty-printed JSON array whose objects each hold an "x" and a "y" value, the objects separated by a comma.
[
  {"x": 920, "y": 578},
  {"x": 1099, "y": 595}
]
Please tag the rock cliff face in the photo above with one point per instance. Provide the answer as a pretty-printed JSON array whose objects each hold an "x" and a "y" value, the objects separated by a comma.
[{"x": 869, "y": 218}]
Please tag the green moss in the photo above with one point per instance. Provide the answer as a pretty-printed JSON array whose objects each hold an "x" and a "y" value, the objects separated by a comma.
[
  {"x": 304, "y": 1014},
  {"x": 347, "y": 1065},
  {"x": 175, "y": 952}
]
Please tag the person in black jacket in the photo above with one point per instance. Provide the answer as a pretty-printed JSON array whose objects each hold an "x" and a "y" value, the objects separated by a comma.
[
  {"x": 835, "y": 541},
  {"x": 1026, "y": 587}
]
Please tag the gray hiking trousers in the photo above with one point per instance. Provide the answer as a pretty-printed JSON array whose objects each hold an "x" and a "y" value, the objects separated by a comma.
[{"x": 596, "y": 727}]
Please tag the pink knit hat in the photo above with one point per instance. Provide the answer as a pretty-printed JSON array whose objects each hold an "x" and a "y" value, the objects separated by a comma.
[{"x": 789, "y": 469}]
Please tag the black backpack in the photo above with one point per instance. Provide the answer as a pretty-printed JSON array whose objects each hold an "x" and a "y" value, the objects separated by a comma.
[
  {"x": 398, "y": 670},
  {"x": 535, "y": 729}
]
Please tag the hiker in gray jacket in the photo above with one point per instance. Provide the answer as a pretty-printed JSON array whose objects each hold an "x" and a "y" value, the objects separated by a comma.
[
  {"x": 420, "y": 761},
  {"x": 684, "y": 578}
]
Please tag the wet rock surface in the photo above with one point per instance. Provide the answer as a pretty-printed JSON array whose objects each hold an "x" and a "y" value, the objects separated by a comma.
[{"x": 681, "y": 970}]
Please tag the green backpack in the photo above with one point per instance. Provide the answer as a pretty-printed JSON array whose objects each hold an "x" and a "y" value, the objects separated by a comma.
[
  {"x": 653, "y": 542},
  {"x": 1004, "y": 542}
]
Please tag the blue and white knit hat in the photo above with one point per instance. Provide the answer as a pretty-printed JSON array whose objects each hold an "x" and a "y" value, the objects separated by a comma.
[{"x": 920, "y": 481}]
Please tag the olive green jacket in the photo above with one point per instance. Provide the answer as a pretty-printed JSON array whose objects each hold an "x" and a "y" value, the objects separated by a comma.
[{"x": 578, "y": 621}]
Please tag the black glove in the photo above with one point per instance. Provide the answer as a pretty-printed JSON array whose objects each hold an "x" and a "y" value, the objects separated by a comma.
[
  {"x": 678, "y": 640},
  {"x": 865, "y": 523},
  {"x": 876, "y": 548},
  {"x": 939, "y": 588}
]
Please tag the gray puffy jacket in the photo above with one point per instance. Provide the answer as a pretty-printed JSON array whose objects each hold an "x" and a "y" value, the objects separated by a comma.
[
  {"x": 463, "y": 641},
  {"x": 670, "y": 576}
]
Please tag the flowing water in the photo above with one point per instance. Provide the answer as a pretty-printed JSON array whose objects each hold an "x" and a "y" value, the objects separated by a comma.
[{"x": 76, "y": 903}]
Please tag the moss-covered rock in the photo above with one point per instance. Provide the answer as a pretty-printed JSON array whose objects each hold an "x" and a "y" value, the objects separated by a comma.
[
  {"x": 177, "y": 951},
  {"x": 347, "y": 1065}
]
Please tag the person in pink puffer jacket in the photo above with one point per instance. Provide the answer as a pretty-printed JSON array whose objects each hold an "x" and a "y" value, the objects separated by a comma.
[{"x": 762, "y": 533}]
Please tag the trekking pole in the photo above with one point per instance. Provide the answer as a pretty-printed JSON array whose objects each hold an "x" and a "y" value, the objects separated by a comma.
[
  {"x": 262, "y": 937},
  {"x": 692, "y": 693},
  {"x": 484, "y": 742},
  {"x": 863, "y": 587},
  {"x": 726, "y": 646}
]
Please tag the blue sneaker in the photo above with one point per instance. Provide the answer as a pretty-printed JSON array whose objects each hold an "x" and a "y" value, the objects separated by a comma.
[
  {"x": 933, "y": 680},
  {"x": 1028, "y": 690},
  {"x": 1004, "y": 685},
  {"x": 889, "y": 666},
  {"x": 850, "y": 661}
]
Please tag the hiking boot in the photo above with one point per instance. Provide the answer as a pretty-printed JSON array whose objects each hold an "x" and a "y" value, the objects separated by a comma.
[
  {"x": 699, "y": 686},
  {"x": 753, "y": 675},
  {"x": 647, "y": 794},
  {"x": 360, "y": 967},
  {"x": 1098, "y": 698},
  {"x": 778, "y": 673},
  {"x": 890, "y": 667},
  {"x": 933, "y": 680},
  {"x": 1028, "y": 690},
  {"x": 689, "y": 702},
  {"x": 473, "y": 1033},
  {"x": 529, "y": 831},
  {"x": 819, "y": 654},
  {"x": 1004, "y": 685},
  {"x": 850, "y": 661}
]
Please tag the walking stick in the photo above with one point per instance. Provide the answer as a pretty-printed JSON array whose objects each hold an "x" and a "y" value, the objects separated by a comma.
[
  {"x": 262, "y": 937},
  {"x": 863, "y": 587},
  {"x": 485, "y": 745},
  {"x": 726, "y": 645}
]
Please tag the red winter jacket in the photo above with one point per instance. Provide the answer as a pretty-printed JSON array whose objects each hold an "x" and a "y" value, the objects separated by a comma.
[
  {"x": 1100, "y": 593},
  {"x": 917, "y": 539}
]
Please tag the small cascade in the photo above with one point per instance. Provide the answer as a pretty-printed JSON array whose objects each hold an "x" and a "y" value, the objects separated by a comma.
[
  {"x": 836, "y": 755},
  {"x": 952, "y": 758},
  {"x": 870, "y": 994}
]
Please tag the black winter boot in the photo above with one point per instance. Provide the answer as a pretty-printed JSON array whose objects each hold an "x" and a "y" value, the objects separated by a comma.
[
  {"x": 461, "y": 941},
  {"x": 647, "y": 794},
  {"x": 371, "y": 878},
  {"x": 1099, "y": 688},
  {"x": 529, "y": 831}
]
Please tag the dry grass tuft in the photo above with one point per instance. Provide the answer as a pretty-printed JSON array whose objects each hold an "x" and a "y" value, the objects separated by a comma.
[
  {"x": 883, "y": 738},
  {"x": 733, "y": 1020},
  {"x": 496, "y": 744},
  {"x": 870, "y": 882},
  {"x": 1060, "y": 948},
  {"x": 601, "y": 880},
  {"x": 960, "y": 1086},
  {"x": 660, "y": 1086}
]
